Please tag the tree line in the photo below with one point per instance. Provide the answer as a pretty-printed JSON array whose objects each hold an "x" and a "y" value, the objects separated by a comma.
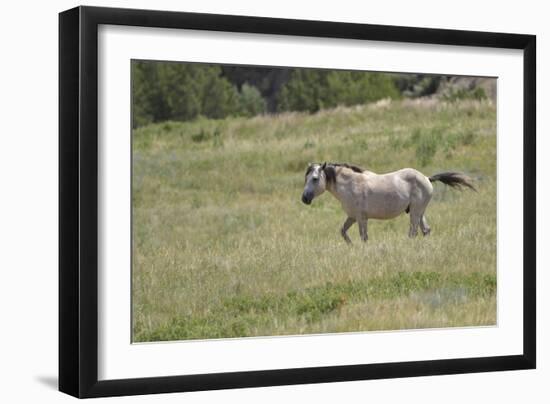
[{"x": 184, "y": 91}]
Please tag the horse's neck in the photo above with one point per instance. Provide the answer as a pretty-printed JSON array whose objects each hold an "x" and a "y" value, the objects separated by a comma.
[
  {"x": 342, "y": 186},
  {"x": 335, "y": 192}
]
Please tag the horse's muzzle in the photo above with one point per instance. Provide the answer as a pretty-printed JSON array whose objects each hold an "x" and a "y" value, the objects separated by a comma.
[{"x": 306, "y": 199}]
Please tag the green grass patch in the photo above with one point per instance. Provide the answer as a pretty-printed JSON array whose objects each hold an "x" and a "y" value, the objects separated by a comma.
[{"x": 239, "y": 316}]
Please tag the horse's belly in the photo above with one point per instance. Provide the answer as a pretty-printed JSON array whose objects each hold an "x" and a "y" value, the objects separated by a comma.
[
  {"x": 386, "y": 208},
  {"x": 384, "y": 215},
  {"x": 377, "y": 203}
]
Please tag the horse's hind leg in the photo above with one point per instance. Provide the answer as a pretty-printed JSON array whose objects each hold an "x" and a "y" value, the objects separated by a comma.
[
  {"x": 424, "y": 226},
  {"x": 344, "y": 231},
  {"x": 415, "y": 222},
  {"x": 417, "y": 208}
]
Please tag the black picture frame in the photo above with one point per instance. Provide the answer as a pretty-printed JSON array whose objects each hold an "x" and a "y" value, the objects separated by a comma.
[{"x": 78, "y": 201}]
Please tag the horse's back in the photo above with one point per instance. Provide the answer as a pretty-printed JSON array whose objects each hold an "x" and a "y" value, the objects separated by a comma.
[
  {"x": 405, "y": 178},
  {"x": 408, "y": 174}
]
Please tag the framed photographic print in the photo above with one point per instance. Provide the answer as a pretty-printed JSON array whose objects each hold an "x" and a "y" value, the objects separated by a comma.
[{"x": 251, "y": 201}]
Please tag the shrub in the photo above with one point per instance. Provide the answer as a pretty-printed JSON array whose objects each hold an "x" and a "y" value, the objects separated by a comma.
[
  {"x": 417, "y": 85},
  {"x": 180, "y": 92},
  {"x": 426, "y": 144},
  {"x": 459, "y": 94},
  {"x": 251, "y": 101},
  {"x": 311, "y": 90},
  {"x": 147, "y": 103}
]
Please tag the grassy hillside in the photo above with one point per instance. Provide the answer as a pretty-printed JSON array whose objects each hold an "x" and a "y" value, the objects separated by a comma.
[{"x": 223, "y": 246}]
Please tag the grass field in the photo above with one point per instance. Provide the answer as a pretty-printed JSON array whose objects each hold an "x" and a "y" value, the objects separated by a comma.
[{"x": 224, "y": 247}]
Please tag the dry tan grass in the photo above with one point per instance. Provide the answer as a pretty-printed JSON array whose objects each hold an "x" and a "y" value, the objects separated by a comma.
[{"x": 223, "y": 247}]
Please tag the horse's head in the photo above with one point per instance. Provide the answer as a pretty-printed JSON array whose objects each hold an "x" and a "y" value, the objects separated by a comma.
[{"x": 316, "y": 182}]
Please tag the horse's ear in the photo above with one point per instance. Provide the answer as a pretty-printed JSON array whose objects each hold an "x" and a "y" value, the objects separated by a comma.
[
  {"x": 309, "y": 169},
  {"x": 324, "y": 165}
]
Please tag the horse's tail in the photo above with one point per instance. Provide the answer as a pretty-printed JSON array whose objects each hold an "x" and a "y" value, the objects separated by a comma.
[{"x": 454, "y": 180}]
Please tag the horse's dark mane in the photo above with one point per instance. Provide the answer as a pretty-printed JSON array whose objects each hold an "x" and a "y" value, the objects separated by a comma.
[
  {"x": 330, "y": 171},
  {"x": 357, "y": 169}
]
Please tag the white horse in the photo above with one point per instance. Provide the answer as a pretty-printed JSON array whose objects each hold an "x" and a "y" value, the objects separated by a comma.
[{"x": 366, "y": 195}]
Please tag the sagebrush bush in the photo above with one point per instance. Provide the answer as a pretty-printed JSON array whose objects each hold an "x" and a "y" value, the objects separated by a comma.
[{"x": 426, "y": 144}]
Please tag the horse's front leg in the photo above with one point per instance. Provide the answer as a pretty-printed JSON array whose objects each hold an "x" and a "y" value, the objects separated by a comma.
[
  {"x": 344, "y": 231},
  {"x": 363, "y": 229}
]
